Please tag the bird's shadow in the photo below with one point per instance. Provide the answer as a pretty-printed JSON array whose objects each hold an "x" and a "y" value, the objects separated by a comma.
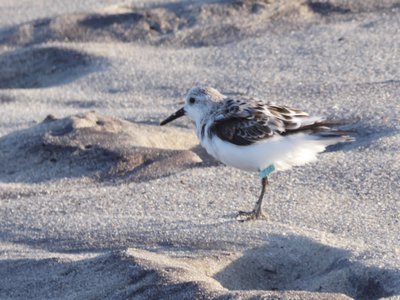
[{"x": 364, "y": 135}]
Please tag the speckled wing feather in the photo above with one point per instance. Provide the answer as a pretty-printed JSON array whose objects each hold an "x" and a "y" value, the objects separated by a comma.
[
  {"x": 241, "y": 123},
  {"x": 244, "y": 122}
]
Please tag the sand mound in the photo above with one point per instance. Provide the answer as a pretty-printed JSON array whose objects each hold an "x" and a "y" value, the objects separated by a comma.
[
  {"x": 126, "y": 274},
  {"x": 180, "y": 24},
  {"x": 193, "y": 24},
  {"x": 92, "y": 145},
  {"x": 298, "y": 263}
]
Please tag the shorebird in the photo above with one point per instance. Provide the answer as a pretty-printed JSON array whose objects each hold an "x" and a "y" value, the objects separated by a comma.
[{"x": 254, "y": 136}]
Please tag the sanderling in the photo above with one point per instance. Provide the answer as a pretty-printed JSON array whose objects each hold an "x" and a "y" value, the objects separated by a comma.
[{"x": 252, "y": 135}]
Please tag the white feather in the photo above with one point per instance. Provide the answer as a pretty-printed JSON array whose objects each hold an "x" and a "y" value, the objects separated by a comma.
[{"x": 282, "y": 151}]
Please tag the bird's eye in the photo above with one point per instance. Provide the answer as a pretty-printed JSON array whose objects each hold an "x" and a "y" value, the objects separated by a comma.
[{"x": 192, "y": 100}]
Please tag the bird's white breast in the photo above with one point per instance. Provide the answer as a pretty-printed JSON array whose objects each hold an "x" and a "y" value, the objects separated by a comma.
[
  {"x": 282, "y": 151},
  {"x": 252, "y": 158}
]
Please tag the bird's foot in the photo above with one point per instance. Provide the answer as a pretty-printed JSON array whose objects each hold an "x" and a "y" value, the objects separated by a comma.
[{"x": 250, "y": 216}]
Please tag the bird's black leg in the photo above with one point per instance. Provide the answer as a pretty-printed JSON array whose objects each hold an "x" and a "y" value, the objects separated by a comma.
[{"x": 257, "y": 212}]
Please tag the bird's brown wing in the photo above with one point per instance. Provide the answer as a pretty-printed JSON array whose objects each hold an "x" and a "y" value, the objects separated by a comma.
[{"x": 244, "y": 122}]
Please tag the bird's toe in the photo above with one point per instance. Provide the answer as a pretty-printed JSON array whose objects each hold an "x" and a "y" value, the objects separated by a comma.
[{"x": 243, "y": 216}]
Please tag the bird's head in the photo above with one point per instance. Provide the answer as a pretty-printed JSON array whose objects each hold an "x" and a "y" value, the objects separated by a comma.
[{"x": 198, "y": 102}]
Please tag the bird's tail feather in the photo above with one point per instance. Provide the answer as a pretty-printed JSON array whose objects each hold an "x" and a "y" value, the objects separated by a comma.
[{"x": 326, "y": 129}]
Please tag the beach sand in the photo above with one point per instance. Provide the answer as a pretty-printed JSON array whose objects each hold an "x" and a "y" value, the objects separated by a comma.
[{"x": 97, "y": 201}]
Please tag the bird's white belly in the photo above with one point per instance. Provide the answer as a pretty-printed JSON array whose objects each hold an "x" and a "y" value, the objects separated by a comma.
[
  {"x": 249, "y": 158},
  {"x": 282, "y": 151}
]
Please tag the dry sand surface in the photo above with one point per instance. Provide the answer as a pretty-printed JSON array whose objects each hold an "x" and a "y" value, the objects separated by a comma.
[{"x": 99, "y": 202}]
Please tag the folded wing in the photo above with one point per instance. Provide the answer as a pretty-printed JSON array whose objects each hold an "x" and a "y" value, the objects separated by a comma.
[{"x": 244, "y": 122}]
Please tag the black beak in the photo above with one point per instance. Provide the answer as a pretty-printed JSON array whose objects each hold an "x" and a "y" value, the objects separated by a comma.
[{"x": 174, "y": 116}]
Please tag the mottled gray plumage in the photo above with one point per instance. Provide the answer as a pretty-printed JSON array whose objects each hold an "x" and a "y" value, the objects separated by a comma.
[{"x": 246, "y": 121}]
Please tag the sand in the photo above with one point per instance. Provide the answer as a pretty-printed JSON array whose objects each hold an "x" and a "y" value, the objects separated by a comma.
[{"x": 97, "y": 201}]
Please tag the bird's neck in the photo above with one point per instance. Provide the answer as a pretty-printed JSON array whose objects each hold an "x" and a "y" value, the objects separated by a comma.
[{"x": 203, "y": 122}]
